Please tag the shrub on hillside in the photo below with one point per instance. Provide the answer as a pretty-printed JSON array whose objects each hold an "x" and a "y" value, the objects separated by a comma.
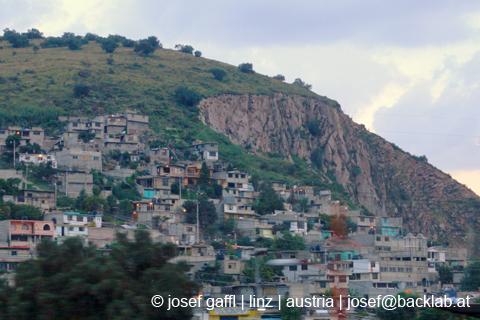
[
  {"x": 188, "y": 97},
  {"x": 279, "y": 77},
  {"x": 198, "y": 54},
  {"x": 109, "y": 45},
  {"x": 301, "y": 84},
  {"x": 128, "y": 43},
  {"x": 184, "y": 48},
  {"x": 81, "y": 90},
  {"x": 246, "y": 68},
  {"x": 219, "y": 74}
]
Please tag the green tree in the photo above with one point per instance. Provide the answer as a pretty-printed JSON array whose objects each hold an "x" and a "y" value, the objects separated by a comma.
[
  {"x": 289, "y": 242},
  {"x": 268, "y": 201},
  {"x": 26, "y": 210},
  {"x": 187, "y": 97},
  {"x": 446, "y": 274},
  {"x": 125, "y": 207},
  {"x": 304, "y": 204},
  {"x": 70, "y": 281},
  {"x": 74, "y": 44},
  {"x": 9, "y": 187},
  {"x": 471, "y": 280},
  {"x": 127, "y": 43},
  {"x": 12, "y": 140},
  {"x": 246, "y": 68},
  {"x": 227, "y": 226},
  {"x": 206, "y": 211},
  {"x": 399, "y": 313},
  {"x": 212, "y": 276},
  {"x": 35, "y": 49},
  {"x": 279, "y": 77},
  {"x": 204, "y": 179},
  {"x": 184, "y": 48},
  {"x": 81, "y": 90},
  {"x": 301, "y": 84},
  {"x": 288, "y": 312},
  {"x": 34, "y": 34},
  {"x": 219, "y": 74},
  {"x": 16, "y": 39},
  {"x": 111, "y": 202},
  {"x": 197, "y": 54},
  {"x": 109, "y": 45}
]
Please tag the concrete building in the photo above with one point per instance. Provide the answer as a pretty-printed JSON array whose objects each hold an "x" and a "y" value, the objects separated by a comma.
[
  {"x": 233, "y": 179},
  {"x": 136, "y": 123},
  {"x": 207, "y": 151},
  {"x": 27, "y": 135},
  {"x": 44, "y": 200},
  {"x": 10, "y": 257},
  {"x": 6, "y": 174},
  {"x": 37, "y": 159},
  {"x": 158, "y": 155},
  {"x": 72, "y": 184},
  {"x": 151, "y": 187},
  {"x": 65, "y": 231},
  {"x": 124, "y": 143},
  {"x": 77, "y": 219},
  {"x": 25, "y": 232},
  {"x": 79, "y": 160}
]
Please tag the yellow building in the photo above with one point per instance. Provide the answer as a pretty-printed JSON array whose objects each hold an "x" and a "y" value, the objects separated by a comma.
[{"x": 234, "y": 314}]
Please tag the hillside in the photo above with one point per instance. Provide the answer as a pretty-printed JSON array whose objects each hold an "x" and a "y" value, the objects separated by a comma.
[{"x": 275, "y": 130}]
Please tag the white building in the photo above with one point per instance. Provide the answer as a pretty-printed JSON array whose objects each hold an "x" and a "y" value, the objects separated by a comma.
[
  {"x": 64, "y": 231},
  {"x": 38, "y": 158},
  {"x": 77, "y": 219}
]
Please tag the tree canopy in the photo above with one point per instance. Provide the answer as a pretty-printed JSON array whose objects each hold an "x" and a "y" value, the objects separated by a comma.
[
  {"x": 70, "y": 281},
  {"x": 246, "y": 68},
  {"x": 269, "y": 200},
  {"x": 206, "y": 211}
]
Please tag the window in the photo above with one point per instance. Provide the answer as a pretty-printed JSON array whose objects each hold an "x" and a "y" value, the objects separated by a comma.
[
  {"x": 400, "y": 269},
  {"x": 231, "y": 185},
  {"x": 81, "y": 229},
  {"x": 95, "y": 158},
  {"x": 232, "y": 265},
  {"x": 97, "y": 124},
  {"x": 372, "y": 264},
  {"x": 150, "y": 208},
  {"x": 46, "y": 227},
  {"x": 408, "y": 269},
  {"x": 242, "y": 176},
  {"x": 75, "y": 124},
  {"x": 323, "y": 285},
  {"x": 383, "y": 269},
  {"x": 379, "y": 238},
  {"x": 293, "y": 268},
  {"x": 70, "y": 228},
  {"x": 304, "y": 266},
  {"x": 78, "y": 186},
  {"x": 165, "y": 182},
  {"x": 14, "y": 253},
  {"x": 74, "y": 157},
  {"x": 374, "y": 276},
  {"x": 12, "y": 227},
  {"x": 362, "y": 219},
  {"x": 36, "y": 133},
  {"x": 387, "y": 239},
  {"x": 392, "y": 269},
  {"x": 24, "y": 227},
  {"x": 189, "y": 229},
  {"x": 165, "y": 191},
  {"x": 212, "y": 154},
  {"x": 2, "y": 132},
  {"x": 342, "y": 279},
  {"x": 167, "y": 208}
]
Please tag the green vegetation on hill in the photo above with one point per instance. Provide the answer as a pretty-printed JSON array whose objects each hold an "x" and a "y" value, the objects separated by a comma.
[{"x": 38, "y": 86}]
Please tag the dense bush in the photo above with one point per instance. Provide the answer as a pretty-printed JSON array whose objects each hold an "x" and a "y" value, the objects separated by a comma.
[
  {"x": 219, "y": 74},
  {"x": 16, "y": 39},
  {"x": 279, "y": 77},
  {"x": 317, "y": 157},
  {"x": 81, "y": 90},
  {"x": 184, "y": 48},
  {"x": 301, "y": 84},
  {"x": 198, "y": 54},
  {"x": 187, "y": 97},
  {"x": 109, "y": 45},
  {"x": 246, "y": 68},
  {"x": 128, "y": 43},
  {"x": 314, "y": 127}
]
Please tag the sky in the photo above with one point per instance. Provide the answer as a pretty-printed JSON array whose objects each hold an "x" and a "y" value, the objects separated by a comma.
[{"x": 408, "y": 70}]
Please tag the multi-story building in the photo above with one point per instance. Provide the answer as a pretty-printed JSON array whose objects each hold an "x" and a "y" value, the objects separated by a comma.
[
  {"x": 207, "y": 151},
  {"x": 137, "y": 124},
  {"x": 79, "y": 160},
  {"x": 25, "y": 232},
  {"x": 27, "y": 135},
  {"x": 37, "y": 159},
  {"x": 72, "y": 184},
  {"x": 193, "y": 173},
  {"x": 151, "y": 187},
  {"x": 41, "y": 199},
  {"x": 158, "y": 155},
  {"x": 233, "y": 179},
  {"x": 123, "y": 142}
]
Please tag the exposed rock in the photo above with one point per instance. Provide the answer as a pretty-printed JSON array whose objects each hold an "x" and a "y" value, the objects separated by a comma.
[{"x": 385, "y": 179}]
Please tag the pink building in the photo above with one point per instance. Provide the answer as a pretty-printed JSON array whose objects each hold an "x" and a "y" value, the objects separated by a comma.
[{"x": 25, "y": 232}]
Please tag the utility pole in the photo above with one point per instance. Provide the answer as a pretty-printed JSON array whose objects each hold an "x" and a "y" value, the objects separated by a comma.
[
  {"x": 13, "y": 152},
  {"x": 198, "y": 239}
]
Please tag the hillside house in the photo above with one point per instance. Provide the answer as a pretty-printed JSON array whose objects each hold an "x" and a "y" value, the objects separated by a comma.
[
  {"x": 42, "y": 199},
  {"x": 72, "y": 184},
  {"x": 27, "y": 135},
  {"x": 234, "y": 179},
  {"x": 158, "y": 155},
  {"x": 137, "y": 124},
  {"x": 207, "y": 151},
  {"x": 36, "y": 159},
  {"x": 79, "y": 160},
  {"x": 25, "y": 232}
]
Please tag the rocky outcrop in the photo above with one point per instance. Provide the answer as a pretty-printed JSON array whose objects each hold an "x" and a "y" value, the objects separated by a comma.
[{"x": 381, "y": 177}]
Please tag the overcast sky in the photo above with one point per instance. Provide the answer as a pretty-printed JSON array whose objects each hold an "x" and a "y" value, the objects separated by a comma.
[{"x": 408, "y": 70}]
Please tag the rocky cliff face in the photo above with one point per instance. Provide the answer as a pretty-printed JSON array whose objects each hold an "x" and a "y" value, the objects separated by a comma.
[{"x": 379, "y": 175}]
